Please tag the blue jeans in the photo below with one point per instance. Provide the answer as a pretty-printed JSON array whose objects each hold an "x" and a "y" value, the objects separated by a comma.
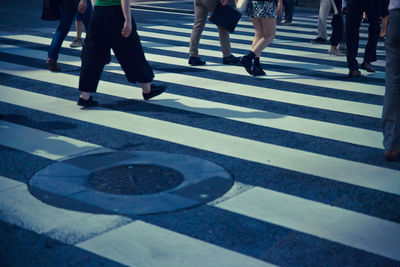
[
  {"x": 68, "y": 10},
  {"x": 391, "y": 102}
]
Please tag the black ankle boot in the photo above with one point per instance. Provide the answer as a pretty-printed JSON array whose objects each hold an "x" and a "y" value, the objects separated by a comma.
[
  {"x": 247, "y": 62},
  {"x": 257, "y": 69}
]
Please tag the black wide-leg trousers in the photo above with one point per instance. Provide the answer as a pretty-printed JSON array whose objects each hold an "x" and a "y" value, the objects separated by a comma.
[{"x": 103, "y": 35}]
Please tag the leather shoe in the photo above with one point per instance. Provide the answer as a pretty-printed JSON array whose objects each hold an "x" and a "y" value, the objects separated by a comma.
[
  {"x": 231, "y": 60},
  {"x": 87, "y": 103},
  {"x": 367, "y": 66},
  {"x": 354, "y": 73},
  {"x": 247, "y": 63},
  {"x": 392, "y": 155},
  {"x": 258, "y": 71},
  {"x": 51, "y": 64},
  {"x": 155, "y": 90},
  {"x": 196, "y": 61}
]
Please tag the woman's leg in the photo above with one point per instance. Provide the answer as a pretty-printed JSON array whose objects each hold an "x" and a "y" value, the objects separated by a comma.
[
  {"x": 268, "y": 28},
  {"x": 257, "y": 32}
]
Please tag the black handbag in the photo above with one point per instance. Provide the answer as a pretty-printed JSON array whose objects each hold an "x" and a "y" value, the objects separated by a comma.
[
  {"x": 225, "y": 16},
  {"x": 51, "y": 10}
]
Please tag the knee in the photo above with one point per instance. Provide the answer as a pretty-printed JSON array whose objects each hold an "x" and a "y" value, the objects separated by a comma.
[{"x": 269, "y": 35}]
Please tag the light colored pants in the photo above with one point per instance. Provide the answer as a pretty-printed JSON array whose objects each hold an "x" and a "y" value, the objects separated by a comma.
[
  {"x": 201, "y": 10},
  {"x": 324, "y": 8},
  {"x": 391, "y": 102}
]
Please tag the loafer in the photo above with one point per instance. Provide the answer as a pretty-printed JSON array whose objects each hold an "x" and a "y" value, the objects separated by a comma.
[
  {"x": 76, "y": 43},
  {"x": 247, "y": 63},
  {"x": 196, "y": 61},
  {"x": 231, "y": 60},
  {"x": 354, "y": 73},
  {"x": 155, "y": 90},
  {"x": 367, "y": 66},
  {"x": 87, "y": 103},
  {"x": 392, "y": 155},
  {"x": 51, "y": 64},
  {"x": 319, "y": 40}
]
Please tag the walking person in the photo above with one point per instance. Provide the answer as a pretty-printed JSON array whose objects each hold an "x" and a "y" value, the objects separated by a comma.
[
  {"x": 289, "y": 9},
  {"x": 79, "y": 26},
  {"x": 391, "y": 102},
  {"x": 355, "y": 9},
  {"x": 201, "y": 10},
  {"x": 263, "y": 14},
  {"x": 337, "y": 28},
  {"x": 113, "y": 27},
  {"x": 68, "y": 10},
  {"x": 324, "y": 9}
]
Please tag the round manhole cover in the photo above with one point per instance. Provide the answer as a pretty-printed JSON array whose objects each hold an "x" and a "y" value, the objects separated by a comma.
[{"x": 135, "y": 179}]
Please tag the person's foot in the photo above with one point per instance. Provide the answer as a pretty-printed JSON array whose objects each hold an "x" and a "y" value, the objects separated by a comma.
[
  {"x": 76, "y": 43},
  {"x": 196, "y": 61},
  {"x": 258, "y": 71},
  {"x": 87, "y": 103},
  {"x": 367, "y": 66},
  {"x": 286, "y": 23},
  {"x": 392, "y": 155},
  {"x": 155, "y": 90},
  {"x": 354, "y": 73},
  {"x": 231, "y": 60},
  {"x": 51, "y": 64},
  {"x": 247, "y": 63},
  {"x": 333, "y": 50},
  {"x": 382, "y": 37},
  {"x": 319, "y": 40},
  {"x": 342, "y": 47}
]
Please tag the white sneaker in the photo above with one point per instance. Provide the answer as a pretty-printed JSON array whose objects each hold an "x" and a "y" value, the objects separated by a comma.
[
  {"x": 76, "y": 43},
  {"x": 334, "y": 51}
]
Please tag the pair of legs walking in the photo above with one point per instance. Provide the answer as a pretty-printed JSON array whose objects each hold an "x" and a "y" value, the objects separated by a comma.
[{"x": 264, "y": 33}]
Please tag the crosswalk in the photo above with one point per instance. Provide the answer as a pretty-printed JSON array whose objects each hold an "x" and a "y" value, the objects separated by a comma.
[{"x": 303, "y": 144}]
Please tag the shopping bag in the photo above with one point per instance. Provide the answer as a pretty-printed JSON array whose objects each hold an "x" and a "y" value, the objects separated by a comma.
[{"x": 225, "y": 16}]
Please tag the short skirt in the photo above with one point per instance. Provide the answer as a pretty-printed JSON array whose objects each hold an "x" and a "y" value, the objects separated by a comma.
[{"x": 261, "y": 9}]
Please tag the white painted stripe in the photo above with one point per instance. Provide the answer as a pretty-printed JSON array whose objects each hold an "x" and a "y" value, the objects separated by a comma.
[
  {"x": 155, "y": 246},
  {"x": 40, "y": 143},
  {"x": 19, "y": 207},
  {"x": 332, "y": 104},
  {"x": 247, "y": 47},
  {"x": 257, "y": 117},
  {"x": 322, "y": 55},
  {"x": 360, "y": 174},
  {"x": 346, "y": 227}
]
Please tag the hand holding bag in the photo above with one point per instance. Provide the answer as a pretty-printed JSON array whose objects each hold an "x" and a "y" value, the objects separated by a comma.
[{"x": 225, "y": 16}]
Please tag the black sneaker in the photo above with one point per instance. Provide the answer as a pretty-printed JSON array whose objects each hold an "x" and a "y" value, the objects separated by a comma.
[
  {"x": 319, "y": 40},
  {"x": 247, "y": 63},
  {"x": 231, "y": 60},
  {"x": 155, "y": 91},
  {"x": 87, "y": 103},
  {"x": 196, "y": 61}
]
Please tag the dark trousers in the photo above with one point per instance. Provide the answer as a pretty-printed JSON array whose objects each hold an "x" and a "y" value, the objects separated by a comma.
[
  {"x": 289, "y": 8},
  {"x": 338, "y": 24},
  {"x": 103, "y": 35},
  {"x": 355, "y": 8}
]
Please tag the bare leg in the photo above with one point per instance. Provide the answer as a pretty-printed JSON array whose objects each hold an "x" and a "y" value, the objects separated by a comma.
[
  {"x": 384, "y": 23},
  {"x": 145, "y": 88},
  {"x": 267, "y": 31},
  {"x": 79, "y": 29}
]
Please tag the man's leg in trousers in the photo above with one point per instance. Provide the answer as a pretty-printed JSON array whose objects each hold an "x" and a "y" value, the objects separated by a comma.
[
  {"x": 224, "y": 41},
  {"x": 391, "y": 103},
  {"x": 353, "y": 21},
  {"x": 373, "y": 34},
  {"x": 200, "y": 16},
  {"x": 289, "y": 8},
  {"x": 325, "y": 7}
]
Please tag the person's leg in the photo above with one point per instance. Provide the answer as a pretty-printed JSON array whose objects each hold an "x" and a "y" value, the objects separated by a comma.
[
  {"x": 68, "y": 11},
  {"x": 325, "y": 7},
  {"x": 391, "y": 103},
  {"x": 372, "y": 12},
  {"x": 200, "y": 16},
  {"x": 384, "y": 24},
  {"x": 289, "y": 8},
  {"x": 353, "y": 21},
  {"x": 268, "y": 29}
]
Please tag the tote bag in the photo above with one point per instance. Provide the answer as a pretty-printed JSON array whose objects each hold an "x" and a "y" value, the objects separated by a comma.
[{"x": 225, "y": 16}]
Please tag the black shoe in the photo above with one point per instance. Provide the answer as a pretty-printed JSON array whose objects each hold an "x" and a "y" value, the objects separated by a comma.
[
  {"x": 287, "y": 23},
  {"x": 51, "y": 64},
  {"x": 196, "y": 61},
  {"x": 354, "y": 73},
  {"x": 257, "y": 71},
  {"x": 247, "y": 63},
  {"x": 231, "y": 60},
  {"x": 155, "y": 91},
  {"x": 319, "y": 40},
  {"x": 367, "y": 66},
  {"x": 87, "y": 103}
]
